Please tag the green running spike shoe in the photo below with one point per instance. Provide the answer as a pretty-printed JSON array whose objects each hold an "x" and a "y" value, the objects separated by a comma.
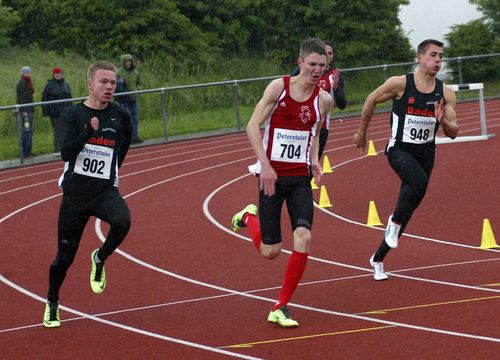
[
  {"x": 97, "y": 275},
  {"x": 237, "y": 222},
  {"x": 51, "y": 318},
  {"x": 282, "y": 317}
]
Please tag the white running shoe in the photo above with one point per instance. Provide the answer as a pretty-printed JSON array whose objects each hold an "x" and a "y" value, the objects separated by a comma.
[
  {"x": 392, "y": 233},
  {"x": 378, "y": 270}
]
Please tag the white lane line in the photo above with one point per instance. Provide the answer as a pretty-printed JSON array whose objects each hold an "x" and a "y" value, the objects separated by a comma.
[
  {"x": 313, "y": 258},
  {"x": 60, "y": 169},
  {"x": 144, "y": 170},
  {"x": 30, "y": 175},
  {"x": 143, "y": 332},
  {"x": 204, "y": 298},
  {"x": 183, "y": 153},
  {"x": 220, "y": 143},
  {"x": 182, "y": 302},
  {"x": 236, "y": 292},
  {"x": 305, "y": 307},
  {"x": 354, "y": 222},
  {"x": 272, "y": 300},
  {"x": 125, "y": 327},
  {"x": 148, "y": 151},
  {"x": 53, "y": 181},
  {"x": 180, "y": 162}
]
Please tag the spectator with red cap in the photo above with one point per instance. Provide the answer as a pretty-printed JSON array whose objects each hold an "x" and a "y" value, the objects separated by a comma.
[{"x": 56, "y": 89}]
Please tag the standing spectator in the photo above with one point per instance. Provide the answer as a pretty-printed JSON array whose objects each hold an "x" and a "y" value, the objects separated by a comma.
[
  {"x": 24, "y": 93},
  {"x": 56, "y": 89},
  {"x": 129, "y": 80},
  {"x": 332, "y": 82}
]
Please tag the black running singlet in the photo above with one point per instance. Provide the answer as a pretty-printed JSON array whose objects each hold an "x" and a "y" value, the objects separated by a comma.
[
  {"x": 93, "y": 159},
  {"x": 412, "y": 117}
]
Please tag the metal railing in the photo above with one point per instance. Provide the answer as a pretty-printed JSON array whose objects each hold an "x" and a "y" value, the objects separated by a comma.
[
  {"x": 458, "y": 59},
  {"x": 237, "y": 86}
]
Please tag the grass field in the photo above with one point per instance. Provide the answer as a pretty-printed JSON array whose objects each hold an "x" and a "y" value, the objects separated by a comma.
[{"x": 188, "y": 111}]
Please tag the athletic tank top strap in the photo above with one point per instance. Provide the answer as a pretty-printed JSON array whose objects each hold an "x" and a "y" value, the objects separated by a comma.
[{"x": 286, "y": 82}]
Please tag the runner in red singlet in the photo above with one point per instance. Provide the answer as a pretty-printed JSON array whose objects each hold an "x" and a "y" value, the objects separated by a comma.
[{"x": 293, "y": 110}]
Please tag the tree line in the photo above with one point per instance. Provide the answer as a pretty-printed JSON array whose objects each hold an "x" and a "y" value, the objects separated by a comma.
[{"x": 192, "y": 35}]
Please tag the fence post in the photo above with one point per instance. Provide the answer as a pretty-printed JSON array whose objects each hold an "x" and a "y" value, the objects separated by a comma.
[
  {"x": 237, "y": 104},
  {"x": 164, "y": 113},
  {"x": 460, "y": 76},
  {"x": 19, "y": 127},
  {"x": 387, "y": 103}
]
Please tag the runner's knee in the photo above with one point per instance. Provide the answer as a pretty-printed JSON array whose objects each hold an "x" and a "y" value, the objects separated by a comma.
[
  {"x": 270, "y": 251},
  {"x": 419, "y": 188},
  {"x": 302, "y": 239},
  {"x": 65, "y": 256},
  {"x": 121, "y": 222}
]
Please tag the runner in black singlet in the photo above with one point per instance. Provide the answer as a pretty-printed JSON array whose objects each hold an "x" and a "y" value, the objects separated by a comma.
[
  {"x": 96, "y": 138},
  {"x": 421, "y": 104}
]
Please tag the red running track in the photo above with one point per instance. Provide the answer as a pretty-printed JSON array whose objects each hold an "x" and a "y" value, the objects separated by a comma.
[{"x": 183, "y": 286}]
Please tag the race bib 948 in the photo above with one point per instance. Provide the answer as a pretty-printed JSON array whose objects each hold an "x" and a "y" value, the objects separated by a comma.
[
  {"x": 94, "y": 161},
  {"x": 419, "y": 129},
  {"x": 289, "y": 145}
]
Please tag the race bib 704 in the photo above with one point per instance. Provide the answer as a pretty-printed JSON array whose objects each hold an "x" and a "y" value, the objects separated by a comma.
[{"x": 290, "y": 145}]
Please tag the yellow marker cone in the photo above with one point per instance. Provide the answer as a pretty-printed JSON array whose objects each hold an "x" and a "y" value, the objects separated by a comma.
[
  {"x": 324, "y": 200},
  {"x": 327, "y": 168},
  {"x": 371, "y": 149},
  {"x": 488, "y": 239},
  {"x": 313, "y": 184},
  {"x": 373, "y": 219}
]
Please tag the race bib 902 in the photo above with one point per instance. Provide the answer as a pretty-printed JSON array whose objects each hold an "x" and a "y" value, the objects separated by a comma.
[
  {"x": 289, "y": 145},
  {"x": 94, "y": 161}
]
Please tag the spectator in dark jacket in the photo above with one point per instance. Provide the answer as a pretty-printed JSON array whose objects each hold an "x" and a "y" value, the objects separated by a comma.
[
  {"x": 56, "y": 89},
  {"x": 24, "y": 94},
  {"x": 128, "y": 79}
]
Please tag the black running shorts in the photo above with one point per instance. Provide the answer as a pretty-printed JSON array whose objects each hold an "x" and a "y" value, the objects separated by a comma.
[{"x": 296, "y": 190}]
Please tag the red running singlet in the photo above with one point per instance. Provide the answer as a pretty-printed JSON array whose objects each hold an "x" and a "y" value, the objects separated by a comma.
[{"x": 289, "y": 131}]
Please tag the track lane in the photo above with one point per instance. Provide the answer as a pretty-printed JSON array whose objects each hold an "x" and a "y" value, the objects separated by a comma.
[{"x": 185, "y": 190}]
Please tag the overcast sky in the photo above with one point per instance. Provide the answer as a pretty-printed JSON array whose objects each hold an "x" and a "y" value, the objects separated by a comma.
[{"x": 431, "y": 19}]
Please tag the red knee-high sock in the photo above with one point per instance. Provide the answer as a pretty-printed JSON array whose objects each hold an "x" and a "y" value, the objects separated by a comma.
[
  {"x": 253, "y": 224},
  {"x": 294, "y": 270}
]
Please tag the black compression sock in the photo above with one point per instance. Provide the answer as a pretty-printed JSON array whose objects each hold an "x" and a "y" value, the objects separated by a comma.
[{"x": 382, "y": 251}]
